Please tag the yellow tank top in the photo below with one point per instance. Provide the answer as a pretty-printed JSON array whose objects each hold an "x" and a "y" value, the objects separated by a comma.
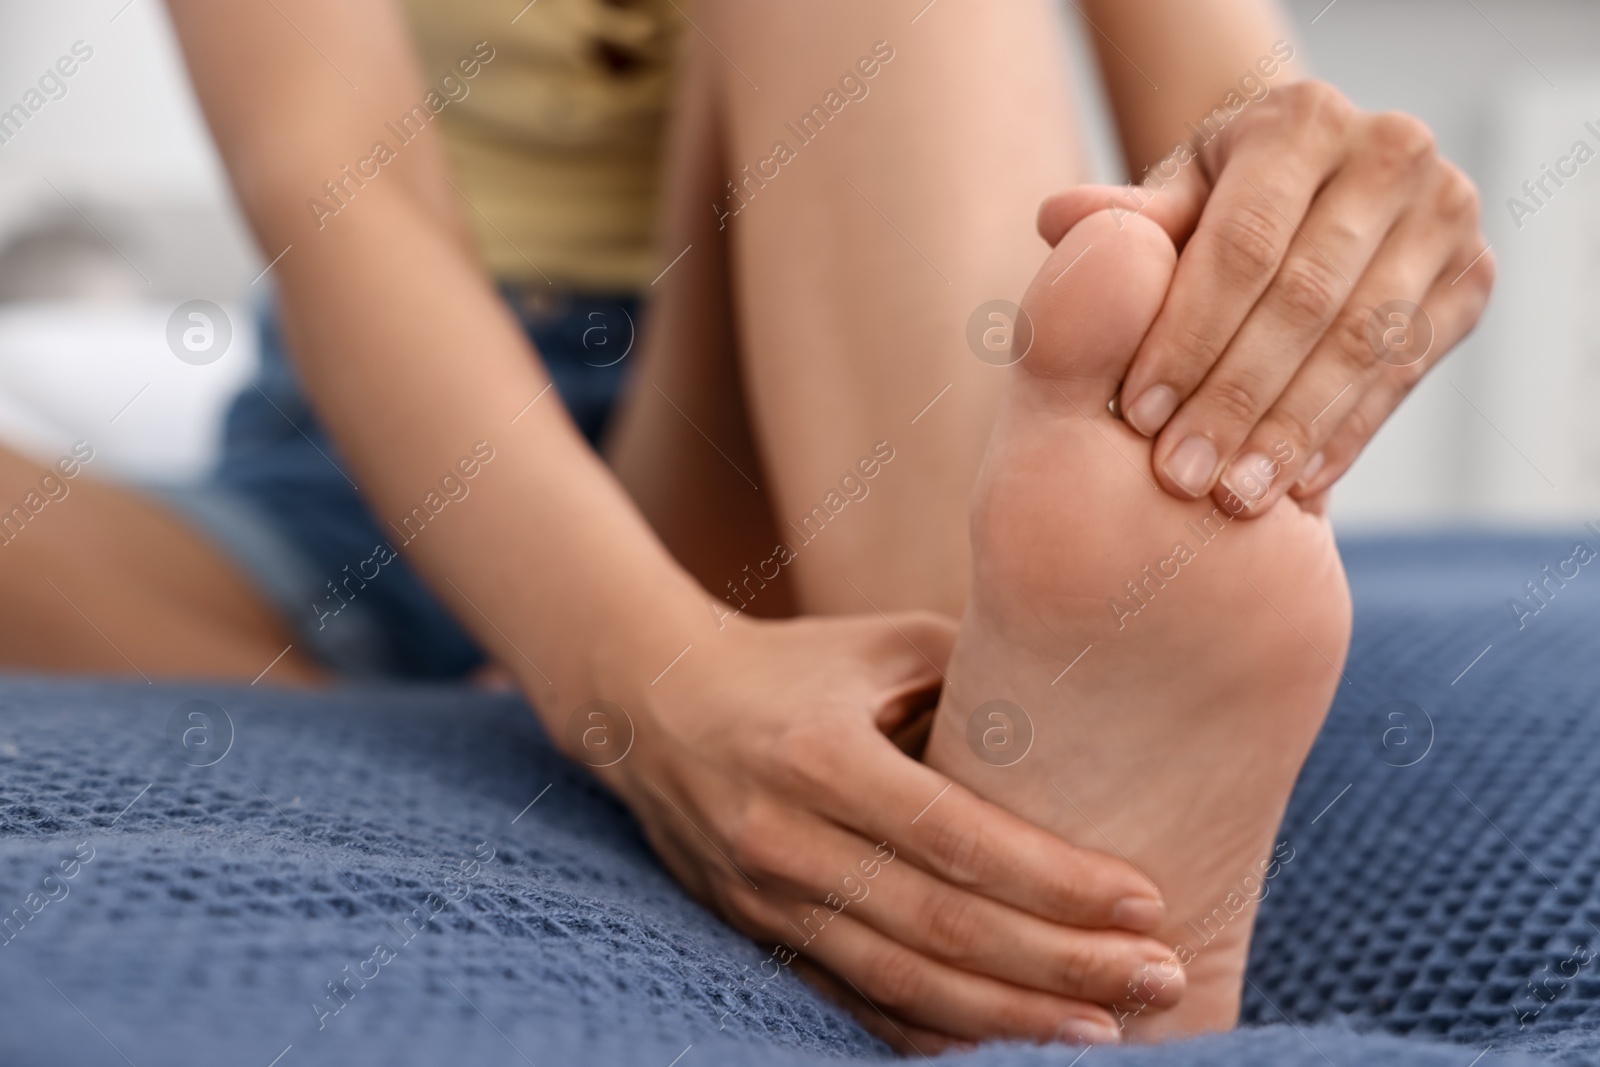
[{"x": 557, "y": 139}]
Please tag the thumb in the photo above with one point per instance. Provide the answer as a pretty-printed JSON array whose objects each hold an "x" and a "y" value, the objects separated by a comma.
[
  {"x": 911, "y": 670},
  {"x": 928, "y": 640},
  {"x": 1175, "y": 206}
]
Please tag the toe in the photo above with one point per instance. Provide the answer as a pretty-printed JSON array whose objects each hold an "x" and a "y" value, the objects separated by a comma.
[{"x": 1093, "y": 301}]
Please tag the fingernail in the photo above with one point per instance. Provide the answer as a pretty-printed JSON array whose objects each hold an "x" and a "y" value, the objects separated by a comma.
[
  {"x": 1152, "y": 410},
  {"x": 1139, "y": 914},
  {"x": 1313, "y": 468},
  {"x": 1251, "y": 476},
  {"x": 1192, "y": 463},
  {"x": 1089, "y": 1032}
]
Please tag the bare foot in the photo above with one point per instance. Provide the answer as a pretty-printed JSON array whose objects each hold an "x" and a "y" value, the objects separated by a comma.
[{"x": 1163, "y": 667}]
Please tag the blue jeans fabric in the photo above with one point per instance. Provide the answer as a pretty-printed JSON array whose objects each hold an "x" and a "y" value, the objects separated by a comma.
[{"x": 282, "y": 504}]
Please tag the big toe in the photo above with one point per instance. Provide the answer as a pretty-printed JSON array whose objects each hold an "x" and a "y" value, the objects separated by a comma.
[{"x": 1093, "y": 301}]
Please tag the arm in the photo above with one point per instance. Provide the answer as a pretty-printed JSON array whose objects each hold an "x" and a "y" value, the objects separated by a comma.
[
  {"x": 406, "y": 350},
  {"x": 763, "y": 751},
  {"x": 1330, "y": 256}
]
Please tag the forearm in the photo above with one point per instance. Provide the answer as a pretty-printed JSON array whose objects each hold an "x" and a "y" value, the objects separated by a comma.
[
  {"x": 410, "y": 358},
  {"x": 1169, "y": 63},
  {"x": 544, "y": 559}
]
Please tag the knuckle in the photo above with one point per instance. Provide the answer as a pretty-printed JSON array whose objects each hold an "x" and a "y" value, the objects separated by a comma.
[
  {"x": 958, "y": 852},
  {"x": 1342, "y": 232},
  {"x": 1358, "y": 425},
  {"x": 1316, "y": 104},
  {"x": 1236, "y": 399},
  {"x": 1249, "y": 243},
  {"x": 1356, "y": 362},
  {"x": 1349, "y": 334},
  {"x": 1308, "y": 290},
  {"x": 1402, "y": 140},
  {"x": 1194, "y": 350},
  {"x": 756, "y": 843},
  {"x": 1411, "y": 375},
  {"x": 1286, "y": 429},
  {"x": 898, "y": 978},
  {"x": 1338, "y": 455},
  {"x": 955, "y": 924},
  {"x": 1458, "y": 199}
]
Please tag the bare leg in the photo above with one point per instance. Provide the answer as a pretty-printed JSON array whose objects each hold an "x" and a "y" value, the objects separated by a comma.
[
  {"x": 106, "y": 582},
  {"x": 682, "y": 443},
  {"x": 854, "y": 271}
]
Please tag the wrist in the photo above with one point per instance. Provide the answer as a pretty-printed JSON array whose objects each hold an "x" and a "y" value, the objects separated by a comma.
[{"x": 625, "y": 650}]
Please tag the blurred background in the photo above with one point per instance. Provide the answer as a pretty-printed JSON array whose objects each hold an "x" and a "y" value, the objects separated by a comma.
[{"x": 114, "y": 211}]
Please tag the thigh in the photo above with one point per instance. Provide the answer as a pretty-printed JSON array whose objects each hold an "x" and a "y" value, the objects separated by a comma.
[{"x": 97, "y": 578}]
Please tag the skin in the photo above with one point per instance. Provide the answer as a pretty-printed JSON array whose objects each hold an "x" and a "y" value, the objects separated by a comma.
[
  {"x": 1169, "y": 728},
  {"x": 817, "y": 395},
  {"x": 372, "y": 303},
  {"x": 783, "y": 367},
  {"x": 1295, "y": 224}
]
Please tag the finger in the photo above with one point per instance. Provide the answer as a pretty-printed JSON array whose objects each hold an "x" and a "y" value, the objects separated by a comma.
[
  {"x": 837, "y": 870},
  {"x": 962, "y": 839},
  {"x": 1245, "y": 230},
  {"x": 1427, "y": 247},
  {"x": 898, "y": 1034},
  {"x": 910, "y": 667},
  {"x": 1330, "y": 384},
  {"x": 978, "y": 934},
  {"x": 904, "y": 984},
  {"x": 1331, "y": 250},
  {"x": 910, "y": 662},
  {"x": 953, "y": 834},
  {"x": 1172, "y": 203},
  {"x": 1453, "y": 308}
]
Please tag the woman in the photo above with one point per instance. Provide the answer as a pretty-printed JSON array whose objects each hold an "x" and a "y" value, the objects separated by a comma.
[{"x": 843, "y": 189}]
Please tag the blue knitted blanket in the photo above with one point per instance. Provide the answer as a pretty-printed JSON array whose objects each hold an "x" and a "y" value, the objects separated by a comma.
[{"x": 184, "y": 890}]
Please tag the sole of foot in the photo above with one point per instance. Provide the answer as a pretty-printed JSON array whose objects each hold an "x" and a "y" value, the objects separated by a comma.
[{"x": 1139, "y": 674}]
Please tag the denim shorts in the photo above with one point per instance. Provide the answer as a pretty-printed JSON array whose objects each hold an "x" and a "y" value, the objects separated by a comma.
[{"x": 279, "y": 502}]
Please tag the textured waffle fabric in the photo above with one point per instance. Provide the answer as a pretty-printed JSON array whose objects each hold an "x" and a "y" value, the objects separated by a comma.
[{"x": 1441, "y": 900}]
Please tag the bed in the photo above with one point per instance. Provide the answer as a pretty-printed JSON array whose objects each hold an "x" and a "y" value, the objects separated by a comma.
[{"x": 185, "y": 904}]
